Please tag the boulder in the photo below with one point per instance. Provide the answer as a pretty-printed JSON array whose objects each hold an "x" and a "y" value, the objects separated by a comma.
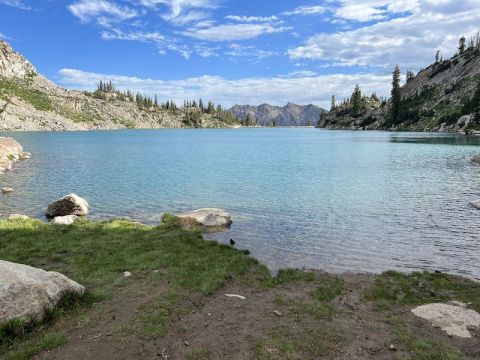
[
  {"x": 26, "y": 292},
  {"x": 476, "y": 159},
  {"x": 68, "y": 205},
  {"x": 453, "y": 318},
  {"x": 208, "y": 217},
  {"x": 18, "y": 217},
  {"x": 10, "y": 152},
  {"x": 64, "y": 220},
  {"x": 7, "y": 190},
  {"x": 464, "y": 121}
]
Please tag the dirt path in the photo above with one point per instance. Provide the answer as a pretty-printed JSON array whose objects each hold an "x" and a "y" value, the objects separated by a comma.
[{"x": 284, "y": 322}]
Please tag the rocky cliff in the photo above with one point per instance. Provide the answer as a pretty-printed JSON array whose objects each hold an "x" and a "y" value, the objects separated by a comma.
[
  {"x": 443, "y": 97},
  {"x": 289, "y": 115},
  {"x": 29, "y": 101}
]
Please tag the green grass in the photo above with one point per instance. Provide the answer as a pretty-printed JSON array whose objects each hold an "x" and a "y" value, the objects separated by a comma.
[
  {"x": 394, "y": 288},
  {"x": 97, "y": 254},
  {"x": 424, "y": 348},
  {"x": 285, "y": 343},
  {"x": 37, "y": 99},
  {"x": 329, "y": 288}
]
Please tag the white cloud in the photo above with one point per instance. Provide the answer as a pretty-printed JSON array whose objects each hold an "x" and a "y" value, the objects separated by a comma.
[
  {"x": 87, "y": 10},
  {"x": 180, "y": 11},
  {"x": 16, "y": 3},
  {"x": 115, "y": 34},
  {"x": 303, "y": 89},
  {"x": 369, "y": 10},
  {"x": 410, "y": 40},
  {"x": 249, "y": 19},
  {"x": 232, "y": 32},
  {"x": 237, "y": 50},
  {"x": 307, "y": 10}
]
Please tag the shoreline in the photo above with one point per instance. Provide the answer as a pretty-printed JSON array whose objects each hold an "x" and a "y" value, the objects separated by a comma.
[{"x": 170, "y": 292}]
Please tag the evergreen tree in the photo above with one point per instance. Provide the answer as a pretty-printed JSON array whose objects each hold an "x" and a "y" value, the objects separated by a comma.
[
  {"x": 356, "y": 101},
  {"x": 249, "y": 121},
  {"x": 334, "y": 103},
  {"x": 438, "y": 57},
  {"x": 210, "y": 107},
  {"x": 410, "y": 75},
  {"x": 462, "y": 44},
  {"x": 396, "y": 96},
  {"x": 200, "y": 104}
]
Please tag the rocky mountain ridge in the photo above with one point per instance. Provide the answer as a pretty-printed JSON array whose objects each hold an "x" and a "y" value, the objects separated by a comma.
[
  {"x": 29, "y": 101},
  {"x": 440, "y": 98},
  {"x": 288, "y": 115}
]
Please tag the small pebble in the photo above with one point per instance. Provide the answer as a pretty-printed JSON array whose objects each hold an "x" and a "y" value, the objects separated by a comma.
[
  {"x": 127, "y": 273},
  {"x": 393, "y": 348},
  {"x": 278, "y": 313},
  {"x": 186, "y": 343}
]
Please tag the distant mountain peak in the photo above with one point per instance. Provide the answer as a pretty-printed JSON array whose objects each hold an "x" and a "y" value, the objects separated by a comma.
[{"x": 289, "y": 115}]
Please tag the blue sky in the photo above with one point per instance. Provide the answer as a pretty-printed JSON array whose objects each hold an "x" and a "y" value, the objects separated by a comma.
[{"x": 235, "y": 51}]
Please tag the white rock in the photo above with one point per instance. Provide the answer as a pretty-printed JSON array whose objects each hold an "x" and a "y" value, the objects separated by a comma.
[
  {"x": 7, "y": 190},
  {"x": 235, "y": 296},
  {"x": 208, "y": 217},
  {"x": 476, "y": 204},
  {"x": 127, "y": 274},
  {"x": 25, "y": 291},
  {"x": 68, "y": 205},
  {"x": 64, "y": 220},
  {"x": 453, "y": 319}
]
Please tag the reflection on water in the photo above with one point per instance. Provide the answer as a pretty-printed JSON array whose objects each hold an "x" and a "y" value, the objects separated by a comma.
[{"x": 335, "y": 200}]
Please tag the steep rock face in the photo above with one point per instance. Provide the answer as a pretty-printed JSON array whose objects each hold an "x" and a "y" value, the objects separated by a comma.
[
  {"x": 29, "y": 101},
  {"x": 438, "y": 98},
  {"x": 12, "y": 64},
  {"x": 289, "y": 115}
]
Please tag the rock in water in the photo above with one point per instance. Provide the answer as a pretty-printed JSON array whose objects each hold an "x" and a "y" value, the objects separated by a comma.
[
  {"x": 10, "y": 152},
  {"x": 7, "y": 190},
  {"x": 26, "y": 292},
  {"x": 208, "y": 217},
  {"x": 476, "y": 204},
  {"x": 68, "y": 205},
  {"x": 64, "y": 220}
]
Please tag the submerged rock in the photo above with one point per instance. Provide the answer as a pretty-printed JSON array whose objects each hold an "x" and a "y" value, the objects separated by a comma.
[
  {"x": 454, "y": 318},
  {"x": 64, "y": 220},
  {"x": 68, "y": 205},
  {"x": 26, "y": 292},
  {"x": 476, "y": 159},
  {"x": 208, "y": 217},
  {"x": 7, "y": 190},
  {"x": 18, "y": 217}
]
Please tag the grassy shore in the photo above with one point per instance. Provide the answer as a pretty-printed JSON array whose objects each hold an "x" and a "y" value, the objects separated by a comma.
[{"x": 173, "y": 306}]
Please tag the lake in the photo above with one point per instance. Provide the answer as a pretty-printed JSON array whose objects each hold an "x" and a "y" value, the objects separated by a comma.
[{"x": 332, "y": 200}]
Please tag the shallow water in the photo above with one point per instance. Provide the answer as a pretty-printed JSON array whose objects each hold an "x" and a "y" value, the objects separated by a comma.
[{"x": 333, "y": 200}]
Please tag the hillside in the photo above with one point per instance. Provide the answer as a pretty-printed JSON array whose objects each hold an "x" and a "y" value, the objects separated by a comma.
[
  {"x": 289, "y": 115},
  {"x": 444, "y": 97},
  {"x": 29, "y": 101}
]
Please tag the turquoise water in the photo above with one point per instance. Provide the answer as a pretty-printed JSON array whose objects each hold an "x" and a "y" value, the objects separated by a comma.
[{"x": 333, "y": 200}]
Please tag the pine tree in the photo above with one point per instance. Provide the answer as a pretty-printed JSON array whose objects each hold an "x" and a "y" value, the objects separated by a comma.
[
  {"x": 438, "y": 57},
  {"x": 356, "y": 101},
  {"x": 200, "y": 104},
  {"x": 462, "y": 44},
  {"x": 334, "y": 103},
  {"x": 410, "y": 75},
  {"x": 249, "y": 121},
  {"x": 396, "y": 96},
  {"x": 210, "y": 107}
]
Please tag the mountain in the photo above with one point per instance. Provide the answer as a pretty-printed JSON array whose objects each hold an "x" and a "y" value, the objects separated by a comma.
[
  {"x": 289, "y": 115},
  {"x": 29, "y": 101},
  {"x": 444, "y": 97}
]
